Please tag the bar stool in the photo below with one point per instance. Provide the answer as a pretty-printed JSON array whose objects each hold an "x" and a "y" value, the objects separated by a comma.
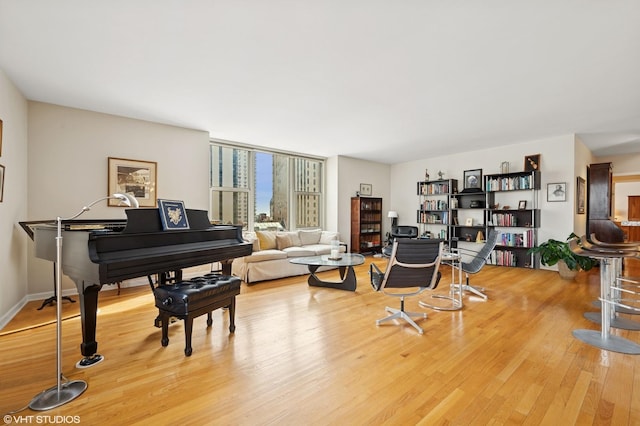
[
  {"x": 618, "y": 284},
  {"x": 619, "y": 288},
  {"x": 610, "y": 262}
]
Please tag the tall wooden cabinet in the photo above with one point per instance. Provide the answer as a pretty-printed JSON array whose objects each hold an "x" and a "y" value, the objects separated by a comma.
[
  {"x": 599, "y": 204},
  {"x": 366, "y": 224}
]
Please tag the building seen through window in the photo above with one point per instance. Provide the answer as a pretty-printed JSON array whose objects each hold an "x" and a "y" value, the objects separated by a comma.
[{"x": 253, "y": 188}]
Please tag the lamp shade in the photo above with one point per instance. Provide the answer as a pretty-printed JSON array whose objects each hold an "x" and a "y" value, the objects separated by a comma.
[
  {"x": 392, "y": 214},
  {"x": 127, "y": 199}
]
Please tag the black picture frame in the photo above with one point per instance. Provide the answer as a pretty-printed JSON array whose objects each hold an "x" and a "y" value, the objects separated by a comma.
[
  {"x": 522, "y": 205},
  {"x": 532, "y": 163},
  {"x": 173, "y": 215},
  {"x": 1, "y": 183},
  {"x": 581, "y": 192},
  {"x": 473, "y": 180}
]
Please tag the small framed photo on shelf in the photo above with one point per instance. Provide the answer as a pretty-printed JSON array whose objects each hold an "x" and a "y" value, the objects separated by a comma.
[
  {"x": 557, "y": 191},
  {"x": 366, "y": 189},
  {"x": 173, "y": 215},
  {"x": 469, "y": 221},
  {"x": 532, "y": 163},
  {"x": 522, "y": 204},
  {"x": 473, "y": 180}
]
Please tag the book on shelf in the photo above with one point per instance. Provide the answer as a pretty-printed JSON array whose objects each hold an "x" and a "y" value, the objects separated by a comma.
[
  {"x": 517, "y": 239},
  {"x": 434, "y": 188},
  {"x": 509, "y": 183}
]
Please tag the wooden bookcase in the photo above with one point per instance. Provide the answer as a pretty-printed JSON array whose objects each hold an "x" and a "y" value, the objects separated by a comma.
[{"x": 366, "y": 225}]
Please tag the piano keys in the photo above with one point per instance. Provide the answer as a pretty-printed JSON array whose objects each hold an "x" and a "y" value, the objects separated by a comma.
[{"x": 98, "y": 252}]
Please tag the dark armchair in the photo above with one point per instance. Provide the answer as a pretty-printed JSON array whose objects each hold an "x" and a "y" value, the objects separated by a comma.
[
  {"x": 401, "y": 231},
  {"x": 412, "y": 269}
]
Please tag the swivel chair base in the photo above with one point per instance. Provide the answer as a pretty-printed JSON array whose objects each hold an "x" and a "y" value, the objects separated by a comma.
[{"x": 407, "y": 316}]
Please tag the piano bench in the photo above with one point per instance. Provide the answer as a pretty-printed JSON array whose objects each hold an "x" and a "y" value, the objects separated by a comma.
[{"x": 187, "y": 300}]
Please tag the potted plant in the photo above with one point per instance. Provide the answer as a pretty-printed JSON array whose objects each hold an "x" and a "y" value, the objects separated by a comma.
[{"x": 558, "y": 252}]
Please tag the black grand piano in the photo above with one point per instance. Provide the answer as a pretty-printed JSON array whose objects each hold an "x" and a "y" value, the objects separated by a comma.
[{"x": 97, "y": 252}]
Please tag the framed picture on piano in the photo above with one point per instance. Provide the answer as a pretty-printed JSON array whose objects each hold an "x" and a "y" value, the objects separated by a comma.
[
  {"x": 134, "y": 177},
  {"x": 173, "y": 215}
]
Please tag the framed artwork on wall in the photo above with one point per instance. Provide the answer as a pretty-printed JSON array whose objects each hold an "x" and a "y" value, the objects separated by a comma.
[
  {"x": 581, "y": 195},
  {"x": 473, "y": 180},
  {"x": 557, "y": 191},
  {"x": 134, "y": 177},
  {"x": 366, "y": 189},
  {"x": 1, "y": 183},
  {"x": 532, "y": 163}
]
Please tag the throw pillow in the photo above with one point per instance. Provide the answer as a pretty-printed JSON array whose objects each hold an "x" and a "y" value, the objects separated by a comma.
[
  {"x": 308, "y": 237},
  {"x": 283, "y": 241},
  {"x": 267, "y": 239},
  {"x": 295, "y": 238},
  {"x": 327, "y": 237}
]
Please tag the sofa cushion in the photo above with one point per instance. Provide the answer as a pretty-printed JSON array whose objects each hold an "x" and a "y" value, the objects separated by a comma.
[
  {"x": 267, "y": 239},
  {"x": 264, "y": 255},
  {"x": 287, "y": 239},
  {"x": 327, "y": 236},
  {"x": 283, "y": 241},
  {"x": 309, "y": 236},
  {"x": 319, "y": 248},
  {"x": 299, "y": 252}
]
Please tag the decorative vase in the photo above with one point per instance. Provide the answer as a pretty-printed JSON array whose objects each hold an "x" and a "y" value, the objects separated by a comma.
[{"x": 565, "y": 272}]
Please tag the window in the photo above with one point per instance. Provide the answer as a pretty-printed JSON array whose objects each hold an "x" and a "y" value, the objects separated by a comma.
[
  {"x": 229, "y": 185},
  {"x": 246, "y": 180}
]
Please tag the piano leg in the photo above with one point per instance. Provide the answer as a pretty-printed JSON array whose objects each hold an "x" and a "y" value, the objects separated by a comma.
[{"x": 88, "y": 313}]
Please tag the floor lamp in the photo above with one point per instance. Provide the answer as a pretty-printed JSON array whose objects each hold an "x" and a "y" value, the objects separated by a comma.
[{"x": 69, "y": 390}]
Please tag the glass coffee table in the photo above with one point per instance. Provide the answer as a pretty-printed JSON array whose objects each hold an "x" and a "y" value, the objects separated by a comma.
[{"x": 345, "y": 264}]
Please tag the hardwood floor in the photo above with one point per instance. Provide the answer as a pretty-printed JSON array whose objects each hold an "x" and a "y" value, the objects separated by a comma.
[{"x": 304, "y": 355}]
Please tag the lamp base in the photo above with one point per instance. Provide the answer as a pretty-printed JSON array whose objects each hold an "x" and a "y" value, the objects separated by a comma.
[
  {"x": 52, "y": 398},
  {"x": 89, "y": 361}
]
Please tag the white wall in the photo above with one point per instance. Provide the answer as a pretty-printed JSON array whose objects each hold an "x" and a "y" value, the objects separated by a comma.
[
  {"x": 351, "y": 173},
  {"x": 13, "y": 208},
  {"x": 68, "y": 152}
]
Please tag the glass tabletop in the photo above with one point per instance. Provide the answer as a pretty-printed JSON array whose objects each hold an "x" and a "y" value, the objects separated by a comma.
[{"x": 346, "y": 259}]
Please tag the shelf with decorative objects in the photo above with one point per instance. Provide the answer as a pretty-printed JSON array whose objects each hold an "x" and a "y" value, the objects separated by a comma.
[{"x": 512, "y": 211}]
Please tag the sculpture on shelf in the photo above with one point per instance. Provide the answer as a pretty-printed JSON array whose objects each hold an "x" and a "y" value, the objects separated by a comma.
[
  {"x": 426, "y": 174},
  {"x": 440, "y": 175}
]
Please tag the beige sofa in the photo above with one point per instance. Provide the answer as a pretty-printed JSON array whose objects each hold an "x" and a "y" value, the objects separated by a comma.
[{"x": 273, "y": 249}]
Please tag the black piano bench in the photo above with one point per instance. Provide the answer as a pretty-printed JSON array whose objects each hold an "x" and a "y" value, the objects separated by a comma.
[{"x": 187, "y": 300}]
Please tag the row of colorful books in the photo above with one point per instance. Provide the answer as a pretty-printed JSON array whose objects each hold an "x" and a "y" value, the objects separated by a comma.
[
  {"x": 424, "y": 217},
  {"x": 517, "y": 239},
  {"x": 434, "y": 188},
  {"x": 434, "y": 205},
  {"x": 509, "y": 183}
]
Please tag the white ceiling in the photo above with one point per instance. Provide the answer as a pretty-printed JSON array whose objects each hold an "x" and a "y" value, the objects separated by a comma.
[{"x": 382, "y": 80}]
